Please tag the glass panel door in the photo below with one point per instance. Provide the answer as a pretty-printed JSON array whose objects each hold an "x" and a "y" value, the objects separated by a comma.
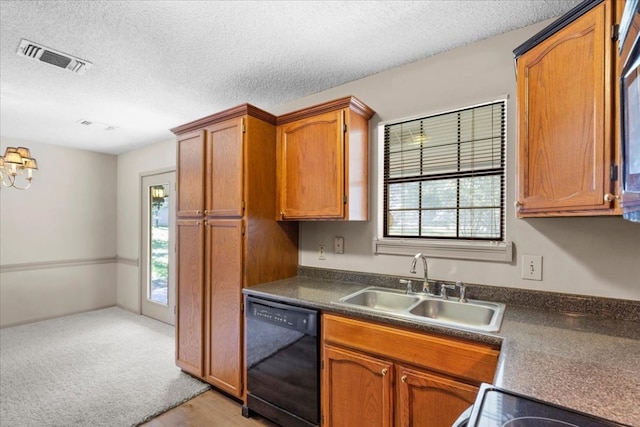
[
  {"x": 157, "y": 293},
  {"x": 158, "y": 265}
]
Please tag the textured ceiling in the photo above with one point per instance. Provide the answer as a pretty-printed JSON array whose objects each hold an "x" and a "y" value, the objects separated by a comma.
[{"x": 159, "y": 64}]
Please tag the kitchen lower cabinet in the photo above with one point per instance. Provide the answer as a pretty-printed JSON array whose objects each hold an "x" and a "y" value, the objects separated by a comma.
[
  {"x": 428, "y": 399},
  {"x": 379, "y": 375},
  {"x": 223, "y": 307},
  {"x": 357, "y": 389},
  {"x": 227, "y": 238},
  {"x": 190, "y": 293}
]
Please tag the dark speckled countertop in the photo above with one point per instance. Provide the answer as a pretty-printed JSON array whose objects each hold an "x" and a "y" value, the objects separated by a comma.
[{"x": 579, "y": 360}]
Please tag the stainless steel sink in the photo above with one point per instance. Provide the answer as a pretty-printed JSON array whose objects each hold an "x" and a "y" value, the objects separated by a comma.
[
  {"x": 471, "y": 314},
  {"x": 422, "y": 308},
  {"x": 381, "y": 299}
]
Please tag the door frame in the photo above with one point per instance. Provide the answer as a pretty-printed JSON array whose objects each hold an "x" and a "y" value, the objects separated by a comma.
[{"x": 169, "y": 316}]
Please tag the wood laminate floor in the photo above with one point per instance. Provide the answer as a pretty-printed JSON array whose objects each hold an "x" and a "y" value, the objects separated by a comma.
[{"x": 210, "y": 409}]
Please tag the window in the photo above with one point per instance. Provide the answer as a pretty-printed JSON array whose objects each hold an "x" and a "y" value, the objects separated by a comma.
[{"x": 444, "y": 176}]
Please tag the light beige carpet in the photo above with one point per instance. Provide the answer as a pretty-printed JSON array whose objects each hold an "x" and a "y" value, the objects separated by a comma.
[{"x": 107, "y": 367}]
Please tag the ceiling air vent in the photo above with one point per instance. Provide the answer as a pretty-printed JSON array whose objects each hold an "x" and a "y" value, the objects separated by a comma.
[
  {"x": 53, "y": 57},
  {"x": 99, "y": 125}
]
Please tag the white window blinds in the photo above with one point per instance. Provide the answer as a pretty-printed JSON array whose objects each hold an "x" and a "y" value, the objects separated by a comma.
[{"x": 444, "y": 175}]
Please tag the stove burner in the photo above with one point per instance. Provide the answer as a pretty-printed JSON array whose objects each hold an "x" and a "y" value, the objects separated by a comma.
[
  {"x": 495, "y": 407},
  {"x": 537, "y": 422}
]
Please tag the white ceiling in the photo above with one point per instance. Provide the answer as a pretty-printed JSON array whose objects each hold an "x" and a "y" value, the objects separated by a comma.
[{"x": 159, "y": 64}]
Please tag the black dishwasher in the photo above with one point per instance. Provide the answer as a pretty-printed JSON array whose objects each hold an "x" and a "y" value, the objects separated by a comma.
[{"x": 283, "y": 369}]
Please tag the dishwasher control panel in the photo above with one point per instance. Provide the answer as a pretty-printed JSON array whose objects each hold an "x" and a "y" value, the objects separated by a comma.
[{"x": 292, "y": 317}]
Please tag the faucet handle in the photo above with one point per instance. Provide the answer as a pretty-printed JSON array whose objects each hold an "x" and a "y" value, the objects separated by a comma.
[
  {"x": 463, "y": 291},
  {"x": 443, "y": 290},
  {"x": 409, "y": 285}
]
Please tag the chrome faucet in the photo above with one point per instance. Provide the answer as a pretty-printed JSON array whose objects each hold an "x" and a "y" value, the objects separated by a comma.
[{"x": 425, "y": 285}]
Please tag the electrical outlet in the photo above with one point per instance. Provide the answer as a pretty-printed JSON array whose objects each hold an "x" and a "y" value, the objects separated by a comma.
[
  {"x": 321, "y": 252},
  {"x": 338, "y": 244},
  {"x": 532, "y": 267}
]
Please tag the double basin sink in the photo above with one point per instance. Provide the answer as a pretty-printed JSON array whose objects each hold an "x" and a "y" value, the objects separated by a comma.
[{"x": 423, "y": 308}]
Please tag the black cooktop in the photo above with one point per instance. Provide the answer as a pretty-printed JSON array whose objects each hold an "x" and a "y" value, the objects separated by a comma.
[{"x": 495, "y": 407}]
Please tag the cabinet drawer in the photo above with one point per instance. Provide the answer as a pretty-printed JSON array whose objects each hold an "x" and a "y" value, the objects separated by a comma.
[{"x": 464, "y": 359}]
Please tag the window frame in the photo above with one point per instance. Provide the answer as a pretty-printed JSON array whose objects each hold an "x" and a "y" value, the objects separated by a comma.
[{"x": 441, "y": 247}]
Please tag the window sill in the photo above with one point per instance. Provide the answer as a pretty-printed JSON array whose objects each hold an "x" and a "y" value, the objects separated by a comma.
[{"x": 469, "y": 250}]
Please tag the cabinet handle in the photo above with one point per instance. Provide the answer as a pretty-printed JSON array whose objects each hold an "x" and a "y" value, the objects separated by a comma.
[
  {"x": 517, "y": 204},
  {"x": 281, "y": 215},
  {"x": 404, "y": 379},
  {"x": 199, "y": 212},
  {"x": 384, "y": 372},
  {"x": 610, "y": 197},
  {"x": 206, "y": 212}
]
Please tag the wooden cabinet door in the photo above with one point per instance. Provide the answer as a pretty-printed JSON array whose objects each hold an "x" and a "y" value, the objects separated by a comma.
[
  {"x": 429, "y": 400},
  {"x": 565, "y": 134},
  {"x": 311, "y": 167},
  {"x": 190, "y": 295},
  {"x": 190, "y": 165},
  {"x": 357, "y": 390},
  {"x": 224, "y": 335},
  {"x": 224, "y": 176}
]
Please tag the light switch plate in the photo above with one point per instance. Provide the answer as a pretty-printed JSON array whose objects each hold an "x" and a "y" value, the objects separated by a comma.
[{"x": 532, "y": 267}]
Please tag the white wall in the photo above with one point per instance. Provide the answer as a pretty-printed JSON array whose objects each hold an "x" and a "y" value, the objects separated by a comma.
[
  {"x": 591, "y": 256},
  {"x": 58, "y": 238},
  {"x": 131, "y": 167}
]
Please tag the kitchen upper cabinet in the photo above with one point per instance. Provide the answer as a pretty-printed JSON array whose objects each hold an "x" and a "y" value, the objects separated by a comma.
[
  {"x": 225, "y": 143},
  {"x": 227, "y": 237},
  {"x": 566, "y": 116},
  {"x": 396, "y": 376},
  {"x": 190, "y": 181},
  {"x": 322, "y": 162}
]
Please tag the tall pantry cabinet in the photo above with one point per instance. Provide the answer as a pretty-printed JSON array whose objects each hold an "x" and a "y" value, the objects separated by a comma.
[{"x": 227, "y": 237}]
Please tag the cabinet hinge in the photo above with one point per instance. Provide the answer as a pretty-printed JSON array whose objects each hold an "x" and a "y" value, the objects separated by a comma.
[
  {"x": 344, "y": 122},
  {"x": 344, "y": 199},
  {"x": 614, "y": 32},
  {"x": 244, "y": 129},
  {"x": 242, "y": 230},
  {"x": 613, "y": 173},
  {"x": 242, "y": 205}
]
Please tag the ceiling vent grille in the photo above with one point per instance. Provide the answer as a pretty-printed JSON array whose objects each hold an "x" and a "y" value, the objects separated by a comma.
[
  {"x": 53, "y": 57},
  {"x": 99, "y": 125}
]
